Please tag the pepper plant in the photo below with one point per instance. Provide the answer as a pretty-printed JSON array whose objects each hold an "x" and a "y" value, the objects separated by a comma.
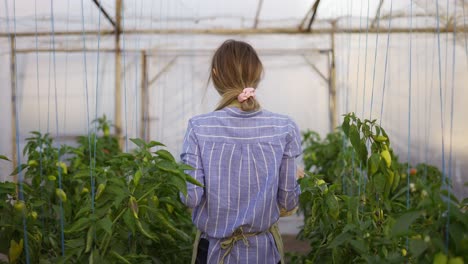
[
  {"x": 116, "y": 207},
  {"x": 359, "y": 208}
]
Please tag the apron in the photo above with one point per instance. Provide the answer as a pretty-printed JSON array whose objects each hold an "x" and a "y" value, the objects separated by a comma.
[{"x": 229, "y": 242}]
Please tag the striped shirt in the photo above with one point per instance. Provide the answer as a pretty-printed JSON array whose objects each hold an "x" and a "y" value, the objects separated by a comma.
[{"x": 246, "y": 162}]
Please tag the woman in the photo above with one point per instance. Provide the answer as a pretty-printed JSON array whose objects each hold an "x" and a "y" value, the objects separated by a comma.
[{"x": 245, "y": 158}]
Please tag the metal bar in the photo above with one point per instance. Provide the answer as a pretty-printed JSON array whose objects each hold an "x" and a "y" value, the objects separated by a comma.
[
  {"x": 377, "y": 14},
  {"x": 105, "y": 13},
  {"x": 165, "y": 69},
  {"x": 118, "y": 72},
  {"x": 314, "y": 13},
  {"x": 259, "y": 31},
  {"x": 305, "y": 18},
  {"x": 316, "y": 69},
  {"x": 144, "y": 97},
  {"x": 14, "y": 157},
  {"x": 333, "y": 103},
  {"x": 259, "y": 8},
  {"x": 174, "y": 51}
]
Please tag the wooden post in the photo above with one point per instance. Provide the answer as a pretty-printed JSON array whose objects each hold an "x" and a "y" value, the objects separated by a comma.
[
  {"x": 332, "y": 84},
  {"x": 144, "y": 130},
  {"x": 118, "y": 70},
  {"x": 14, "y": 158}
]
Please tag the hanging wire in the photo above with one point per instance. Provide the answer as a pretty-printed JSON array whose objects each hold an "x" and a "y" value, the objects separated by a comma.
[
  {"x": 17, "y": 128},
  {"x": 365, "y": 62},
  {"x": 429, "y": 108},
  {"x": 66, "y": 71},
  {"x": 449, "y": 184},
  {"x": 357, "y": 85},
  {"x": 446, "y": 58},
  {"x": 38, "y": 103},
  {"x": 137, "y": 59},
  {"x": 62, "y": 236},
  {"x": 145, "y": 114},
  {"x": 96, "y": 102},
  {"x": 375, "y": 61},
  {"x": 88, "y": 130},
  {"x": 409, "y": 112},
  {"x": 125, "y": 79},
  {"x": 386, "y": 63},
  {"x": 440, "y": 94}
]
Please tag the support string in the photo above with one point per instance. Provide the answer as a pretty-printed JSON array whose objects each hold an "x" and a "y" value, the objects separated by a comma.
[
  {"x": 375, "y": 62},
  {"x": 38, "y": 103},
  {"x": 365, "y": 62},
  {"x": 386, "y": 63},
  {"x": 96, "y": 100},
  {"x": 125, "y": 79},
  {"x": 440, "y": 95},
  {"x": 450, "y": 165},
  {"x": 62, "y": 236},
  {"x": 18, "y": 152},
  {"x": 409, "y": 113}
]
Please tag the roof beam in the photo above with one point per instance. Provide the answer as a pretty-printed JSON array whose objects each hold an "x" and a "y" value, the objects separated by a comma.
[
  {"x": 314, "y": 13},
  {"x": 103, "y": 11},
  {"x": 377, "y": 14},
  {"x": 220, "y": 31},
  {"x": 259, "y": 8}
]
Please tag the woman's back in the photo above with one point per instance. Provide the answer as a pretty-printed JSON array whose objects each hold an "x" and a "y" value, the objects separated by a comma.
[{"x": 245, "y": 160}]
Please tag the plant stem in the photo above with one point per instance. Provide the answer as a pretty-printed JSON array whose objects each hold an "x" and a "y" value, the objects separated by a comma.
[{"x": 148, "y": 192}]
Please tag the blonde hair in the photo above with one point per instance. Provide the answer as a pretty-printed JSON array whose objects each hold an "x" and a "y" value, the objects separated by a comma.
[{"x": 235, "y": 66}]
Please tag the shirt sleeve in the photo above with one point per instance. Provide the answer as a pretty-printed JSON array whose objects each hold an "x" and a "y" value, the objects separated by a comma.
[
  {"x": 288, "y": 188},
  {"x": 191, "y": 156}
]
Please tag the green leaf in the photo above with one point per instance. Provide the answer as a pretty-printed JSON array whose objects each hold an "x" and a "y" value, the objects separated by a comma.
[
  {"x": 359, "y": 246},
  {"x": 154, "y": 144},
  {"x": 119, "y": 257},
  {"x": 79, "y": 225},
  {"x": 89, "y": 239},
  {"x": 403, "y": 223},
  {"x": 332, "y": 206},
  {"x": 19, "y": 169},
  {"x": 192, "y": 180},
  {"x": 354, "y": 137},
  {"x": 373, "y": 163},
  {"x": 139, "y": 142},
  {"x": 165, "y": 154},
  {"x": 417, "y": 247},
  {"x": 179, "y": 183},
  {"x": 345, "y": 125},
  {"x": 183, "y": 166},
  {"x": 340, "y": 239},
  {"x": 380, "y": 181},
  {"x": 4, "y": 157},
  {"x": 105, "y": 224},
  {"x": 168, "y": 166},
  {"x": 129, "y": 220}
]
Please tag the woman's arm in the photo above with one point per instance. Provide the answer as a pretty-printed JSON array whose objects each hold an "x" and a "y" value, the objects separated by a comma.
[
  {"x": 191, "y": 156},
  {"x": 288, "y": 188}
]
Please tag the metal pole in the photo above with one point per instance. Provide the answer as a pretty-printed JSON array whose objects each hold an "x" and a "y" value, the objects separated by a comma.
[
  {"x": 13, "y": 104},
  {"x": 118, "y": 71},
  {"x": 333, "y": 117},
  {"x": 144, "y": 98}
]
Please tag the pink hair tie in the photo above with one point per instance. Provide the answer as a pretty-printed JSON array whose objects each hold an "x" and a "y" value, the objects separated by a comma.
[{"x": 246, "y": 94}]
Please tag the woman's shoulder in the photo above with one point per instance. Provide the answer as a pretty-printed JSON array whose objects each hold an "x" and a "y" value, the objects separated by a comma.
[
  {"x": 206, "y": 117},
  {"x": 284, "y": 117}
]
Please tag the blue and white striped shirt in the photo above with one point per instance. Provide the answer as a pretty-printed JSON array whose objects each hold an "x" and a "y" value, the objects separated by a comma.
[{"x": 246, "y": 162}]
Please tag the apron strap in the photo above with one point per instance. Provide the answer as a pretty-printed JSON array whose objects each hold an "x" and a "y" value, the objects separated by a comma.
[{"x": 229, "y": 242}]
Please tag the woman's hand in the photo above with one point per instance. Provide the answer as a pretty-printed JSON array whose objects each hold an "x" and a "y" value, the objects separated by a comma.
[{"x": 300, "y": 173}]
